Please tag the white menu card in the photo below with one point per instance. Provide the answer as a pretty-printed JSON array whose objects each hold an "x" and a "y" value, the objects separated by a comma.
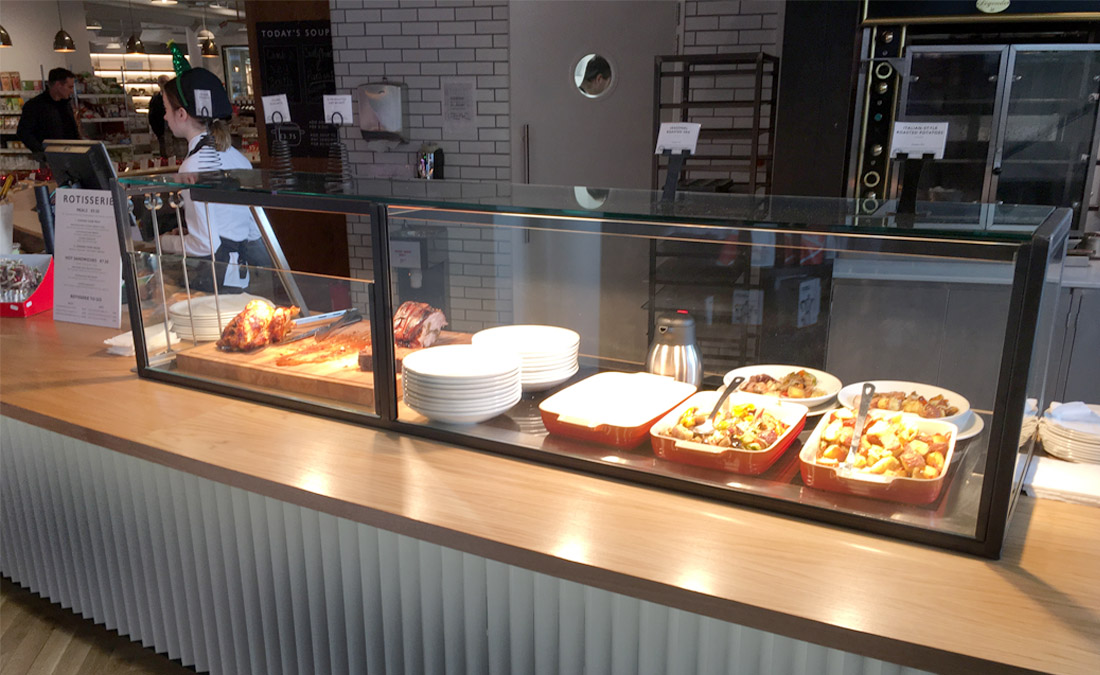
[{"x": 86, "y": 261}]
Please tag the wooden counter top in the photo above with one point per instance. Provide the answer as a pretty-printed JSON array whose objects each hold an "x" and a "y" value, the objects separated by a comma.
[{"x": 1036, "y": 609}]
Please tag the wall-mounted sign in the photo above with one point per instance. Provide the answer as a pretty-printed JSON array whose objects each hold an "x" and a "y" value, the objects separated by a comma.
[
  {"x": 296, "y": 60},
  {"x": 459, "y": 108}
]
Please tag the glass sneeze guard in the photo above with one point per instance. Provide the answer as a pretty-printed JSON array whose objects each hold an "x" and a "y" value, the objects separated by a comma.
[{"x": 940, "y": 302}]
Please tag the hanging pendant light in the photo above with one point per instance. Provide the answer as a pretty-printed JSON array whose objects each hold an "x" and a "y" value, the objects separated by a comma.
[
  {"x": 92, "y": 24},
  {"x": 206, "y": 39},
  {"x": 5, "y": 39},
  {"x": 134, "y": 45},
  {"x": 62, "y": 42}
]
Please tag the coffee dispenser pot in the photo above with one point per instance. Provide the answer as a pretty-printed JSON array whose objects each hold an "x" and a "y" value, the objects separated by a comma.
[{"x": 673, "y": 352}]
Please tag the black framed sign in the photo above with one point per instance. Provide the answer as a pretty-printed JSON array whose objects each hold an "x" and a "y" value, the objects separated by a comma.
[{"x": 296, "y": 60}]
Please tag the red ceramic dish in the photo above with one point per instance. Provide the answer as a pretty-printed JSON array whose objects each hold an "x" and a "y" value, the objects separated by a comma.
[
  {"x": 734, "y": 460},
  {"x": 615, "y": 409},
  {"x": 889, "y": 488}
]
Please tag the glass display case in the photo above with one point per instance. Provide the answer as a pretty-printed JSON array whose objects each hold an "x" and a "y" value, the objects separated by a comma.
[{"x": 595, "y": 329}]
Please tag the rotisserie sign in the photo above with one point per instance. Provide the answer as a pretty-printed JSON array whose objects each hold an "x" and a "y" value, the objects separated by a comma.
[{"x": 296, "y": 60}]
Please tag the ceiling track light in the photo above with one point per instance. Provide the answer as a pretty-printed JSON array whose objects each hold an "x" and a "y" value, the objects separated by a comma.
[{"x": 62, "y": 42}]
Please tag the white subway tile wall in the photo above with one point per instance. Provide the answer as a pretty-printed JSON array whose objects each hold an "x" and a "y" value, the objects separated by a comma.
[
  {"x": 421, "y": 43},
  {"x": 727, "y": 27}
]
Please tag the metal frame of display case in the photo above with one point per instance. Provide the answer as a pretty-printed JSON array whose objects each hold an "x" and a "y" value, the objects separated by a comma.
[{"x": 997, "y": 499}]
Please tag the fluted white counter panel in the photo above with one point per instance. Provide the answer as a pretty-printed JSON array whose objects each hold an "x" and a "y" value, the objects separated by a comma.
[{"x": 229, "y": 581}]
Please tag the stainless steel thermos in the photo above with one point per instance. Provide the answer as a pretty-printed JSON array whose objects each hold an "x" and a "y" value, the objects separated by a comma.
[{"x": 673, "y": 351}]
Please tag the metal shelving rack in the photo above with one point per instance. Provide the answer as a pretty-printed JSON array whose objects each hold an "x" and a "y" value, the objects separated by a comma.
[
  {"x": 735, "y": 151},
  {"x": 736, "y": 140}
]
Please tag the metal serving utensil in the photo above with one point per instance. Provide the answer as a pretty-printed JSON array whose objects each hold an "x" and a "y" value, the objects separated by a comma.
[
  {"x": 861, "y": 421},
  {"x": 352, "y": 316},
  {"x": 707, "y": 427},
  {"x": 339, "y": 315}
]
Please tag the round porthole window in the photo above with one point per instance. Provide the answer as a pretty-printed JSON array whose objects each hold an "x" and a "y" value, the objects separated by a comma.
[{"x": 593, "y": 76}]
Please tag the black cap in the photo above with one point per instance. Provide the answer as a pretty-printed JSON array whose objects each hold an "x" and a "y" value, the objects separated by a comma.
[{"x": 201, "y": 78}]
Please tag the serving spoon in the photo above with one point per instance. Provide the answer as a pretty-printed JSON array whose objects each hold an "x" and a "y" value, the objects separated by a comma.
[
  {"x": 861, "y": 421},
  {"x": 707, "y": 427}
]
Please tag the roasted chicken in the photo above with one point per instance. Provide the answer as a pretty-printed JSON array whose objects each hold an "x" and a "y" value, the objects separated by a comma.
[{"x": 257, "y": 325}]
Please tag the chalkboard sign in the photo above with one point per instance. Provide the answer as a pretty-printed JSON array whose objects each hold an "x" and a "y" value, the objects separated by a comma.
[{"x": 296, "y": 60}]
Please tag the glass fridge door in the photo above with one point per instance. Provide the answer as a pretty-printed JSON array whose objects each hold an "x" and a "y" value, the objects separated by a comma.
[
  {"x": 1050, "y": 127},
  {"x": 958, "y": 85}
]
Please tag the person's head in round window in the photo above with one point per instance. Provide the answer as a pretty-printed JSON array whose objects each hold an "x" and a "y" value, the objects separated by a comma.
[{"x": 597, "y": 76}]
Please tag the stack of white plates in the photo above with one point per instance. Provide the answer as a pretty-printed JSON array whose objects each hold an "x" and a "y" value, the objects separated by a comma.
[
  {"x": 204, "y": 318},
  {"x": 461, "y": 384},
  {"x": 1070, "y": 432},
  {"x": 547, "y": 354}
]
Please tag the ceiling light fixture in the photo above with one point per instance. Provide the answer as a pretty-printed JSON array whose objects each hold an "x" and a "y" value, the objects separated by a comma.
[
  {"x": 62, "y": 42},
  {"x": 165, "y": 2},
  {"x": 5, "y": 39},
  {"x": 134, "y": 45},
  {"x": 206, "y": 39},
  {"x": 92, "y": 24}
]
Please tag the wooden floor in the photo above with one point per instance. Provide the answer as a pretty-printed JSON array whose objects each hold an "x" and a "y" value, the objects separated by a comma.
[{"x": 37, "y": 636}]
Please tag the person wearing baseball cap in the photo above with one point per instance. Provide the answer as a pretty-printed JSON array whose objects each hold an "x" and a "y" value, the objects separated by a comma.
[{"x": 196, "y": 108}]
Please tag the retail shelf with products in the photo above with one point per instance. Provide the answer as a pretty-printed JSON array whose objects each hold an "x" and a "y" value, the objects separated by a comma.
[
  {"x": 111, "y": 108},
  {"x": 553, "y": 295}
]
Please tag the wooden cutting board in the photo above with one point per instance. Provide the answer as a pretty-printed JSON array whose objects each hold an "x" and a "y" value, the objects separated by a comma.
[{"x": 338, "y": 379}]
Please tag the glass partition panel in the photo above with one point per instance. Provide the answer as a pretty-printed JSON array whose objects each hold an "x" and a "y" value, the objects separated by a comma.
[
  {"x": 960, "y": 88},
  {"x": 1007, "y": 222},
  {"x": 1050, "y": 128},
  {"x": 759, "y": 302},
  {"x": 269, "y": 332}
]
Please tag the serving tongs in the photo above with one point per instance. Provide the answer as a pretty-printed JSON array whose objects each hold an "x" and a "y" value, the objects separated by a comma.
[
  {"x": 707, "y": 426},
  {"x": 322, "y": 333},
  {"x": 845, "y": 467}
]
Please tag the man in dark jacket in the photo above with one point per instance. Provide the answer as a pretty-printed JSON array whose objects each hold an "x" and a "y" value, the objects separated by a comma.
[{"x": 50, "y": 114}]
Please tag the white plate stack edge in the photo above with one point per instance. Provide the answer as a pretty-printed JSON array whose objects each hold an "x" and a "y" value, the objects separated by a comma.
[
  {"x": 460, "y": 384},
  {"x": 547, "y": 354},
  {"x": 1071, "y": 438}
]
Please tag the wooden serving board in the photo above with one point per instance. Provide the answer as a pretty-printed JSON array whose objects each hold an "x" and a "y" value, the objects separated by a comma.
[{"x": 339, "y": 379}]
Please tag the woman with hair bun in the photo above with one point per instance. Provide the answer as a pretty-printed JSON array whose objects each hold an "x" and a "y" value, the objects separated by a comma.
[{"x": 196, "y": 108}]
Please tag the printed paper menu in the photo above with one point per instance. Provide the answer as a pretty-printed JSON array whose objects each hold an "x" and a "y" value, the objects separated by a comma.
[{"x": 87, "y": 263}]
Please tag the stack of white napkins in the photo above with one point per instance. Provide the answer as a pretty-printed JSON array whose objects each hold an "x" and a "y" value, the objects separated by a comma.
[
  {"x": 155, "y": 341},
  {"x": 1051, "y": 478}
]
